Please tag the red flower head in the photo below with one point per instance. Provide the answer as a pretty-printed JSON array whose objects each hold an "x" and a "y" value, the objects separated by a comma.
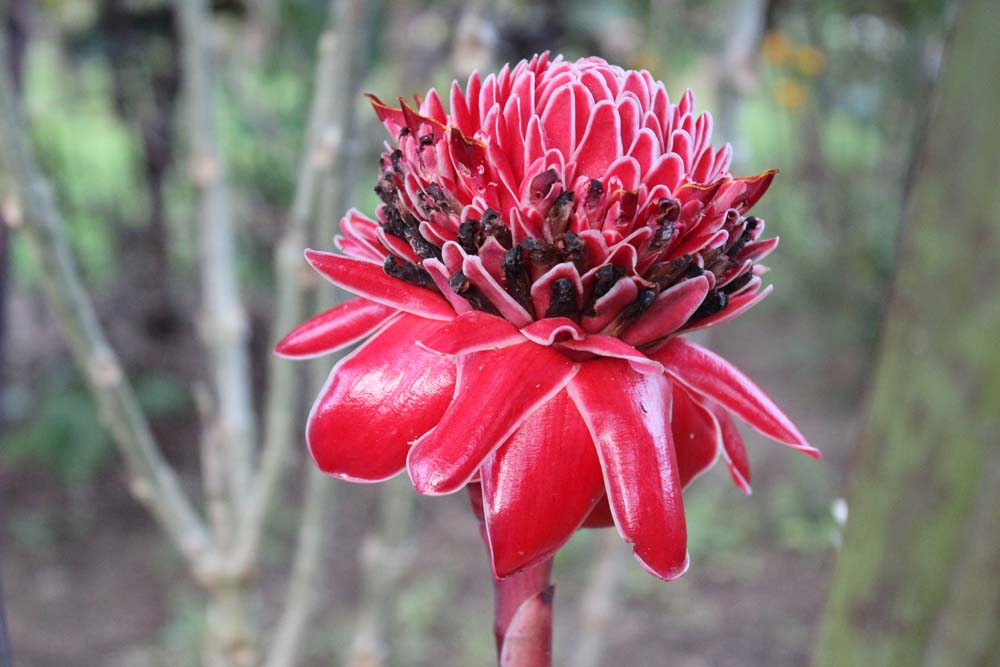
[{"x": 539, "y": 252}]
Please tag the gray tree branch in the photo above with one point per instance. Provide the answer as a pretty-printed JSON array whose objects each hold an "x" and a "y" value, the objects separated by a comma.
[{"x": 30, "y": 205}]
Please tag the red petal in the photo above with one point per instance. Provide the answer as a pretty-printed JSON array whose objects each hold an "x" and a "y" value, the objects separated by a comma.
[
  {"x": 335, "y": 329},
  {"x": 477, "y": 274},
  {"x": 540, "y": 486},
  {"x": 696, "y": 436},
  {"x": 734, "y": 453},
  {"x": 738, "y": 305},
  {"x": 547, "y": 331},
  {"x": 377, "y": 401},
  {"x": 756, "y": 187},
  {"x": 710, "y": 375},
  {"x": 472, "y": 332},
  {"x": 370, "y": 281},
  {"x": 626, "y": 413},
  {"x": 672, "y": 308},
  {"x": 495, "y": 392},
  {"x": 602, "y": 142},
  {"x": 600, "y": 516},
  {"x": 609, "y": 346}
]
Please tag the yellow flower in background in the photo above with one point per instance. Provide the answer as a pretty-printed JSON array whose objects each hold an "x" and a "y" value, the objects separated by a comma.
[
  {"x": 777, "y": 48},
  {"x": 791, "y": 94},
  {"x": 809, "y": 60}
]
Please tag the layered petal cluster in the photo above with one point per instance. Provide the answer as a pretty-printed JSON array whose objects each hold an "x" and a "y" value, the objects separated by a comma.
[{"x": 540, "y": 249}]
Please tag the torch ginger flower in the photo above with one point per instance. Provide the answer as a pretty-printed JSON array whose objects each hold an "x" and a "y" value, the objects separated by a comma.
[{"x": 539, "y": 253}]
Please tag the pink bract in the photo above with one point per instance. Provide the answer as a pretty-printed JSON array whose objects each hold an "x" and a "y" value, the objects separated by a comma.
[{"x": 522, "y": 295}]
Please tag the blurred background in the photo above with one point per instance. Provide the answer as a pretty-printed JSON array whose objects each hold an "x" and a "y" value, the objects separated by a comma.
[{"x": 834, "y": 94}]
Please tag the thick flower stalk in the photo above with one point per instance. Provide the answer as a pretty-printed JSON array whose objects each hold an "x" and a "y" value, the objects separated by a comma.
[{"x": 523, "y": 292}]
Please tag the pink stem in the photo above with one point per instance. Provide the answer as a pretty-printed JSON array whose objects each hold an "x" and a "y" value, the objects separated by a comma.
[{"x": 523, "y": 617}]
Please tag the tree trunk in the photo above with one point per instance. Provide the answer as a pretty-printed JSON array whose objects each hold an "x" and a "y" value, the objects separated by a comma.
[{"x": 915, "y": 583}]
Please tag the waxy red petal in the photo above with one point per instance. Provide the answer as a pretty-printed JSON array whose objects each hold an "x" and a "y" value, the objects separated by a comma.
[
  {"x": 495, "y": 392},
  {"x": 600, "y": 516},
  {"x": 377, "y": 401},
  {"x": 551, "y": 329},
  {"x": 697, "y": 439},
  {"x": 710, "y": 375},
  {"x": 472, "y": 332},
  {"x": 627, "y": 414},
  {"x": 539, "y": 486},
  {"x": 671, "y": 309},
  {"x": 734, "y": 453},
  {"x": 609, "y": 346},
  {"x": 370, "y": 281},
  {"x": 335, "y": 329}
]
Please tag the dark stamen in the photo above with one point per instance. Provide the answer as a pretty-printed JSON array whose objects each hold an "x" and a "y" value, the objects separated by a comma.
[
  {"x": 593, "y": 198},
  {"x": 557, "y": 219},
  {"x": 715, "y": 302},
  {"x": 542, "y": 255},
  {"x": 574, "y": 250},
  {"x": 641, "y": 304},
  {"x": 386, "y": 189},
  {"x": 442, "y": 200},
  {"x": 393, "y": 224},
  {"x": 395, "y": 158},
  {"x": 663, "y": 235},
  {"x": 424, "y": 248},
  {"x": 669, "y": 209},
  {"x": 516, "y": 276},
  {"x": 411, "y": 273},
  {"x": 460, "y": 284},
  {"x": 665, "y": 273},
  {"x": 606, "y": 278},
  {"x": 541, "y": 185},
  {"x": 493, "y": 226},
  {"x": 563, "y": 302},
  {"x": 737, "y": 283},
  {"x": 469, "y": 236}
]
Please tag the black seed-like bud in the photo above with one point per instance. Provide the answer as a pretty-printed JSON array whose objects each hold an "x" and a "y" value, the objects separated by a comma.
[
  {"x": 715, "y": 302},
  {"x": 669, "y": 209},
  {"x": 605, "y": 278},
  {"x": 516, "y": 277},
  {"x": 663, "y": 235},
  {"x": 461, "y": 285},
  {"x": 557, "y": 219},
  {"x": 395, "y": 158},
  {"x": 469, "y": 236},
  {"x": 665, "y": 274},
  {"x": 592, "y": 200},
  {"x": 393, "y": 224},
  {"x": 493, "y": 226},
  {"x": 737, "y": 282},
  {"x": 563, "y": 302},
  {"x": 411, "y": 273},
  {"x": 424, "y": 248},
  {"x": 574, "y": 250},
  {"x": 542, "y": 255},
  {"x": 541, "y": 185}
]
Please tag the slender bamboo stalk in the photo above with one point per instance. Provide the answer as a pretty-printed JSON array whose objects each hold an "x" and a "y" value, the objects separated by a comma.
[
  {"x": 344, "y": 56},
  {"x": 223, "y": 320},
  {"x": 599, "y": 601},
  {"x": 301, "y": 594},
  {"x": 232, "y": 623},
  {"x": 6, "y": 657},
  {"x": 384, "y": 557},
  {"x": 283, "y": 394},
  {"x": 30, "y": 206}
]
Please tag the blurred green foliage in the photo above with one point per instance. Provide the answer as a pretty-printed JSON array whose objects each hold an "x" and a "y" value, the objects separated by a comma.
[{"x": 64, "y": 434}]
